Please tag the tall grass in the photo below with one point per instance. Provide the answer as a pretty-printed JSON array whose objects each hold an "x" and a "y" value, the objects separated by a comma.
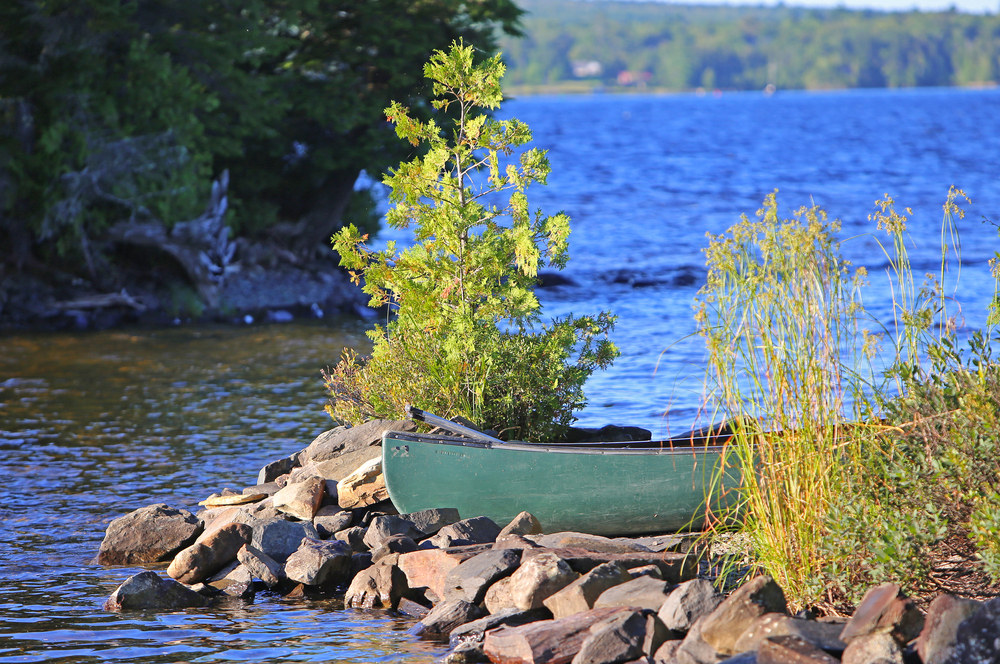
[{"x": 792, "y": 363}]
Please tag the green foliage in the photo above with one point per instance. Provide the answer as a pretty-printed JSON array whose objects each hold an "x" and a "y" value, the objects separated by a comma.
[
  {"x": 746, "y": 48},
  {"x": 851, "y": 477},
  {"x": 112, "y": 111},
  {"x": 463, "y": 341}
]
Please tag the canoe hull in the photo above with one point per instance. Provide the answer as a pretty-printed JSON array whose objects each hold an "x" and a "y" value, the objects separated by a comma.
[{"x": 598, "y": 490}]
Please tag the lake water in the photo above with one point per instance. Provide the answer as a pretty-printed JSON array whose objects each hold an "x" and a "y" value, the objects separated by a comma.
[{"x": 95, "y": 425}]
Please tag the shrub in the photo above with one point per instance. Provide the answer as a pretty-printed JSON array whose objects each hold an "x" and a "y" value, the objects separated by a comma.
[{"x": 465, "y": 339}]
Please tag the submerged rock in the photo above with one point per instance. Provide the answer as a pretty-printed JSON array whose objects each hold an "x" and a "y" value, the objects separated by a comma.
[{"x": 148, "y": 590}]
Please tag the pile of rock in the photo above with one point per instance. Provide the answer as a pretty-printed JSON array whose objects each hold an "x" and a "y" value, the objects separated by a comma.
[{"x": 320, "y": 520}]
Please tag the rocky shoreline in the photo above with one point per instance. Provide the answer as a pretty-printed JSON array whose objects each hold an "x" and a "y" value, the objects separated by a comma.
[
  {"x": 279, "y": 292},
  {"x": 320, "y": 522}
]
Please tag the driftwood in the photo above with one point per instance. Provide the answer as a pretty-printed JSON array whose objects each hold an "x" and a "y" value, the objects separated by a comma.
[
  {"x": 122, "y": 299},
  {"x": 201, "y": 246}
]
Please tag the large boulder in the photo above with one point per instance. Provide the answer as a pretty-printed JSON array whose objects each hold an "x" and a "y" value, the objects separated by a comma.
[
  {"x": 210, "y": 553},
  {"x": 316, "y": 561},
  {"x": 148, "y": 590},
  {"x": 688, "y": 602},
  {"x": 336, "y": 442},
  {"x": 381, "y": 585},
  {"x": 977, "y": 638},
  {"x": 555, "y": 641},
  {"x": 446, "y": 616},
  {"x": 148, "y": 535},
  {"x": 944, "y": 615},
  {"x": 524, "y": 523},
  {"x": 643, "y": 592},
  {"x": 260, "y": 565},
  {"x": 614, "y": 640},
  {"x": 429, "y": 568},
  {"x": 382, "y": 528}
]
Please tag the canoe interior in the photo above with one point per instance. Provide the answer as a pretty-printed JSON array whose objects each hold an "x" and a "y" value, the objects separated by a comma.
[{"x": 604, "y": 488}]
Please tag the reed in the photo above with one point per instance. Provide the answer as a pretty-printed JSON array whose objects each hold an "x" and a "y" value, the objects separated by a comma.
[{"x": 793, "y": 364}]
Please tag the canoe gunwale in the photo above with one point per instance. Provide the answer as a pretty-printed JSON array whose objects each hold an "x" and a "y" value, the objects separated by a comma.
[{"x": 634, "y": 448}]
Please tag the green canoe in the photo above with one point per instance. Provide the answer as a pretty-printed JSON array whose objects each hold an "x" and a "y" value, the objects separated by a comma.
[{"x": 599, "y": 488}]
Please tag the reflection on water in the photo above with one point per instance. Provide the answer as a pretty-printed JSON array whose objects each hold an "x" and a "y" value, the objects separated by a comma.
[{"x": 95, "y": 425}]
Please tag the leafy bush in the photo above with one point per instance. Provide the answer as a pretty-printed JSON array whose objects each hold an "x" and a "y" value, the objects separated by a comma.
[{"x": 463, "y": 340}]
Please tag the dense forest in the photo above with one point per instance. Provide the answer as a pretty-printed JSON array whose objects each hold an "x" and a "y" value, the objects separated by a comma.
[{"x": 630, "y": 44}]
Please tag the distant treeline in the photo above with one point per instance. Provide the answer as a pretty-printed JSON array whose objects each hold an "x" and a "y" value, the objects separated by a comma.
[{"x": 746, "y": 48}]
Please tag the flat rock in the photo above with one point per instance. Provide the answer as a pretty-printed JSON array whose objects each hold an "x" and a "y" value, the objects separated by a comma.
[
  {"x": 823, "y": 635},
  {"x": 613, "y": 640},
  {"x": 446, "y": 616},
  {"x": 977, "y": 639},
  {"x": 240, "y": 499},
  {"x": 428, "y": 568},
  {"x": 596, "y": 543},
  {"x": 316, "y": 561},
  {"x": 301, "y": 499},
  {"x": 537, "y": 578},
  {"x": 944, "y": 615},
  {"x": 260, "y": 565},
  {"x": 148, "y": 590},
  {"x": 148, "y": 535},
  {"x": 209, "y": 554},
  {"x": 581, "y": 594},
  {"x": 876, "y": 648},
  {"x": 885, "y": 608},
  {"x": 643, "y": 592},
  {"x": 687, "y": 603},
  {"x": 524, "y": 523},
  {"x": 477, "y": 530},
  {"x": 737, "y": 612},
  {"x": 268, "y": 489},
  {"x": 363, "y": 487},
  {"x": 280, "y": 538},
  {"x": 381, "y": 585},
  {"x": 674, "y": 567},
  {"x": 475, "y": 631},
  {"x": 790, "y": 649},
  {"x": 549, "y": 641},
  {"x": 472, "y": 578}
]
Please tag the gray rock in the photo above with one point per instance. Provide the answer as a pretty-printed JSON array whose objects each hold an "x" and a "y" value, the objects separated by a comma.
[
  {"x": 147, "y": 590},
  {"x": 885, "y": 608},
  {"x": 823, "y": 635},
  {"x": 596, "y": 543},
  {"x": 693, "y": 648},
  {"x": 331, "y": 519},
  {"x": 477, "y": 530},
  {"x": 317, "y": 561},
  {"x": 431, "y": 521},
  {"x": 148, "y": 535},
  {"x": 538, "y": 578},
  {"x": 944, "y": 615},
  {"x": 875, "y": 648},
  {"x": 656, "y": 633},
  {"x": 445, "y": 617},
  {"x": 335, "y": 442},
  {"x": 472, "y": 578},
  {"x": 280, "y": 538},
  {"x": 302, "y": 499},
  {"x": 613, "y": 640},
  {"x": 736, "y": 613},
  {"x": 690, "y": 601},
  {"x": 977, "y": 639},
  {"x": 268, "y": 489},
  {"x": 643, "y": 592},
  {"x": 210, "y": 553},
  {"x": 354, "y": 537},
  {"x": 394, "y": 544},
  {"x": 524, "y": 523},
  {"x": 473, "y": 632},
  {"x": 581, "y": 594},
  {"x": 384, "y": 527},
  {"x": 275, "y": 469},
  {"x": 260, "y": 565}
]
